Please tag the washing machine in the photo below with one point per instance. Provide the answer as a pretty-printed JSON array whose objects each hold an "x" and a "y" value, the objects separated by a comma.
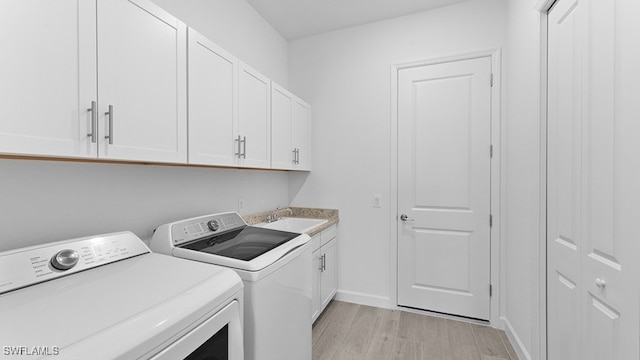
[{"x": 275, "y": 267}]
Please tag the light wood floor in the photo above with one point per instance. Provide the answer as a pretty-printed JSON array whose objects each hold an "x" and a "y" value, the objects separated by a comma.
[{"x": 351, "y": 331}]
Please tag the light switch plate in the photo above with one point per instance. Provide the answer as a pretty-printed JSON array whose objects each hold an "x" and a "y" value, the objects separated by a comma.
[{"x": 377, "y": 200}]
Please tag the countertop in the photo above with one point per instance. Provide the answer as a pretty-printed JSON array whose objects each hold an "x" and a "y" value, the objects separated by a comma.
[{"x": 299, "y": 212}]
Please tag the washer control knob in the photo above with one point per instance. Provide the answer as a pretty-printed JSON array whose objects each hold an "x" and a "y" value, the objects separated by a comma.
[
  {"x": 65, "y": 259},
  {"x": 213, "y": 225}
]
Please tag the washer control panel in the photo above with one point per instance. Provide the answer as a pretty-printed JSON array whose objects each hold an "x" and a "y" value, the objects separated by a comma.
[
  {"x": 28, "y": 266},
  {"x": 196, "y": 228}
]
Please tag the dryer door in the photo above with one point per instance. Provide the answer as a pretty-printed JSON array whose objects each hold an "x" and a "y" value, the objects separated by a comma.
[{"x": 219, "y": 337}]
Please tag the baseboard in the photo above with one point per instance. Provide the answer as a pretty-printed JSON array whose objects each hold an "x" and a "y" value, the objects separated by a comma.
[
  {"x": 518, "y": 346},
  {"x": 364, "y": 299}
]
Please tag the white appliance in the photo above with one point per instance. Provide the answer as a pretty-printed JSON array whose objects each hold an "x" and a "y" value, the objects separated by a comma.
[
  {"x": 109, "y": 297},
  {"x": 275, "y": 267}
]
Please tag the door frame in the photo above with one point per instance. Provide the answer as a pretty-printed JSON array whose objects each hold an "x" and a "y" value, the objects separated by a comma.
[
  {"x": 543, "y": 7},
  {"x": 496, "y": 251}
]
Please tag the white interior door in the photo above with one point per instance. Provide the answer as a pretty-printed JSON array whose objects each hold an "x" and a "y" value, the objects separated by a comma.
[
  {"x": 444, "y": 179},
  {"x": 563, "y": 186},
  {"x": 593, "y": 173}
]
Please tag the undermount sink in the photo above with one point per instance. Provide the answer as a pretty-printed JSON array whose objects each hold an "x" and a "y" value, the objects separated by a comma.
[{"x": 296, "y": 225}]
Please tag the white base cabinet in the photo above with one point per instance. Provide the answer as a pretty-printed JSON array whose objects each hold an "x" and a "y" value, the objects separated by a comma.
[{"x": 325, "y": 270}]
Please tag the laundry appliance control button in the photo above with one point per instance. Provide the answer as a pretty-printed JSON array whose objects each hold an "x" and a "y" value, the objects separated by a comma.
[
  {"x": 65, "y": 259},
  {"x": 213, "y": 225}
]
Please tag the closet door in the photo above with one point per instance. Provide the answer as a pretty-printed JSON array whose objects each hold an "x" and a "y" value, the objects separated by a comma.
[
  {"x": 47, "y": 77},
  {"x": 593, "y": 180},
  {"x": 611, "y": 247},
  {"x": 564, "y": 241},
  {"x": 142, "y": 74}
]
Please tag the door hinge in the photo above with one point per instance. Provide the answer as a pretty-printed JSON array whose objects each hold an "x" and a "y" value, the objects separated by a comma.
[
  {"x": 491, "y": 151},
  {"x": 491, "y": 80},
  {"x": 491, "y": 220},
  {"x": 490, "y": 290}
]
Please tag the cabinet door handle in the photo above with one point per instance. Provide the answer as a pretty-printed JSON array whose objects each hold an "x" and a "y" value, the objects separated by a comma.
[
  {"x": 298, "y": 156},
  {"x": 294, "y": 155},
  {"x": 239, "y": 153},
  {"x": 244, "y": 147},
  {"x": 94, "y": 121},
  {"x": 320, "y": 268},
  {"x": 110, "y": 117},
  {"x": 324, "y": 262}
]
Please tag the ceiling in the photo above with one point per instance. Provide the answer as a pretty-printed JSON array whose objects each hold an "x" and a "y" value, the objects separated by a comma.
[{"x": 295, "y": 19}]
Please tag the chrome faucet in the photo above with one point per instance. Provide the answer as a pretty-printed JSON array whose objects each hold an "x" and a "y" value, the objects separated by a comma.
[{"x": 274, "y": 216}]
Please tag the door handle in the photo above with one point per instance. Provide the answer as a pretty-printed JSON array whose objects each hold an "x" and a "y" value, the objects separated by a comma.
[
  {"x": 110, "y": 117},
  {"x": 404, "y": 217},
  {"x": 94, "y": 122},
  {"x": 239, "y": 142}
]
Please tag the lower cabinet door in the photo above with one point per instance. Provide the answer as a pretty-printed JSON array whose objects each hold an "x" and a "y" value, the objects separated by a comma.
[
  {"x": 329, "y": 280},
  {"x": 316, "y": 263}
]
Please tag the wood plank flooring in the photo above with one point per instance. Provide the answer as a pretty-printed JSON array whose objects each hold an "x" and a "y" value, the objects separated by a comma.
[{"x": 348, "y": 331}]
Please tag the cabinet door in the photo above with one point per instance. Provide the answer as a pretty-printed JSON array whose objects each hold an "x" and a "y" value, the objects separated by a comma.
[
  {"x": 142, "y": 78},
  {"x": 282, "y": 155},
  {"x": 254, "y": 123},
  {"x": 48, "y": 72},
  {"x": 329, "y": 280},
  {"x": 212, "y": 74},
  {"x": 316, "y": 264},
  {"x": 302, "y": 134}
]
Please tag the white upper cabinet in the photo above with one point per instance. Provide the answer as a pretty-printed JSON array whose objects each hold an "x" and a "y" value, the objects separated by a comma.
[
  {"x": 283, "y": 154},
  {"x": 50, "y": 80},
  {"x": 254, "y": 118},
  {"x": 48, "y": 72},
  {"x": 125, "y": 80},
  {"x": 213, "y": 85},
  {"x": 290, "y": 131},
  {"x": 301, "y": 138},
  {"x": 141, "y": 82}
]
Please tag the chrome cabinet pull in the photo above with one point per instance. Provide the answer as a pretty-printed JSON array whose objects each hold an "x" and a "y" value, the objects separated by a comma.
[
  {"x": 239, "y": 153},
  {"x": 296, "y": 156},
  {"x": 244, "y": 149},
  {"x": 324, "y": 262},
  {"x": 94, "y": 121},
  {"x": 110, "y": 117}
]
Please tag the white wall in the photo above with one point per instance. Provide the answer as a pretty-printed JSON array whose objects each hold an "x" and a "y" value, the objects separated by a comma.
[
  {"x": 45, "y": 201},
  {"x": 42, "y": 201},
  {"x": 345, "y": 76},
  {"x": 237, "y": 27},
  {"x": 522, "y": 166}
]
